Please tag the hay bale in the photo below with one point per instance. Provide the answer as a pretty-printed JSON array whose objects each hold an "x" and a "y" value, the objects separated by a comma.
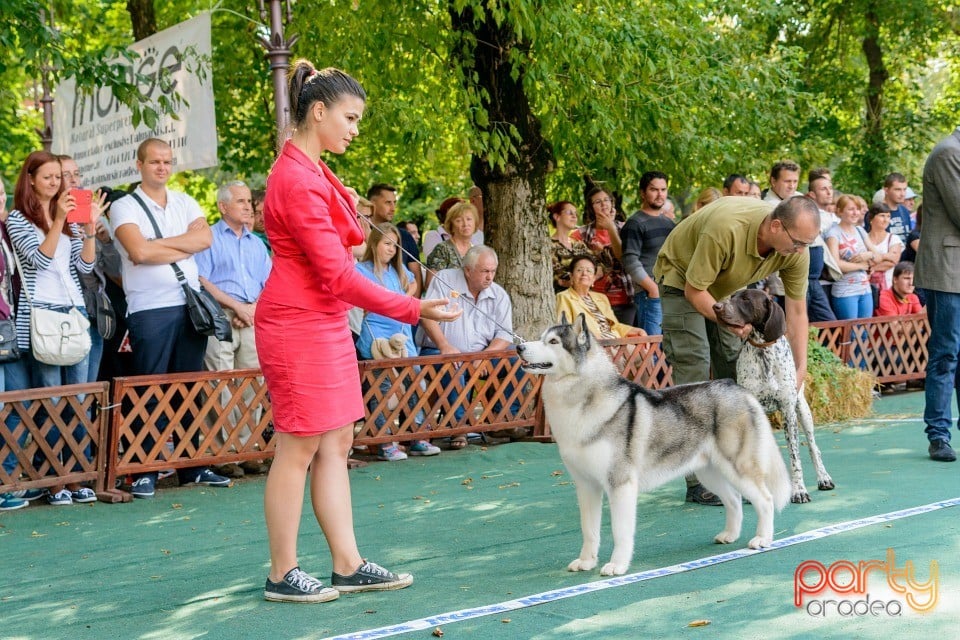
[{"x": 834, "y": 390}]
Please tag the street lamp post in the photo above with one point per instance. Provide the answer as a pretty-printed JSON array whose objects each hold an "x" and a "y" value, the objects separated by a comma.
[
  {"x": 46, "y": 100},
  {"x": 278, "y": 53}
]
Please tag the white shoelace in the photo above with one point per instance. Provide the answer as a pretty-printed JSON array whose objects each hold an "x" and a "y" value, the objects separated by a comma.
[
  {"x": 375, "y": 569},
  {"x": 303, "y": 581}
]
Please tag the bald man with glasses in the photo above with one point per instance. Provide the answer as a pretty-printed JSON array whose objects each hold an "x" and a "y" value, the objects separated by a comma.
[{"x": 731, "y": 243}]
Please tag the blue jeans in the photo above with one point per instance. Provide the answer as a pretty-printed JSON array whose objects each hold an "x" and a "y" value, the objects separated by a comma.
[
  {"x": 13, "y": 377},
  {"x": 853, "y": 307},
  {"x": 96, "y": 352},
  {"x": 943, "y": 374},
  {"x": 649, "y": 313},
  {"x": 44, "y": 375},
  {"x": 818, "y": 305}
]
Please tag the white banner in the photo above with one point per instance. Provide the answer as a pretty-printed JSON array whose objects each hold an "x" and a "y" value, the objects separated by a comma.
[{"x": 97, "y": 130}]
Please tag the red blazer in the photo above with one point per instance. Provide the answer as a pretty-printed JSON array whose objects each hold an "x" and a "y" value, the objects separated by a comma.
[{"x": 311, "y": 223}]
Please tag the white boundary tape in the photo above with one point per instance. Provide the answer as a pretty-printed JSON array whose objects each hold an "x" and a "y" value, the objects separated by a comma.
[{"x": 619, "y": 581}]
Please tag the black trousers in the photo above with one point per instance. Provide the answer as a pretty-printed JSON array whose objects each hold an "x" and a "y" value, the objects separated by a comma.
[{"x": 164, "y": 341}]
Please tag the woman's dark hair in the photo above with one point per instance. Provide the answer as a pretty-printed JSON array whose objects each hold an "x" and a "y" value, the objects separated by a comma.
[
  {"x": 257, "y": 196},
  {"x": 877, "y": 208},
  {"x": 445, "y": 207},
  {"x": 555, "y": 208},
  {"x": 309, "y": 85},
  {"x": 583, "y": 257},
  {"x": 589, "y": 217},
  {"x": 25, "y": 199}
]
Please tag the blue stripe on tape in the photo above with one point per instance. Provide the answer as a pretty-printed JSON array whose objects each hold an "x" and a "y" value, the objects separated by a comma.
[{"x": 619, "y": 581}]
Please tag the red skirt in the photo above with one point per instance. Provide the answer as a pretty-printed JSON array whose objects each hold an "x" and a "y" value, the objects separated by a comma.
[{"x": 309, "y": 363}]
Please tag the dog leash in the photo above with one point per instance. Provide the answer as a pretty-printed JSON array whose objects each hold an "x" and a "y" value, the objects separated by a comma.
[{"x": 517, "y": 339}]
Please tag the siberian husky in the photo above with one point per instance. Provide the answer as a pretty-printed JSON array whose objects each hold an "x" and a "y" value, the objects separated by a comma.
[{"x": 618, "y": 438}]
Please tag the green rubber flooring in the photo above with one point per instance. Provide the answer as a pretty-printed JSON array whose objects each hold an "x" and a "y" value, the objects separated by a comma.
[{"x": 491, "y": 525}]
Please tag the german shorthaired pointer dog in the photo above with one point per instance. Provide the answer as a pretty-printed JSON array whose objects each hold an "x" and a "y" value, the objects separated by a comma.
[{"x": 766, "y": 369}]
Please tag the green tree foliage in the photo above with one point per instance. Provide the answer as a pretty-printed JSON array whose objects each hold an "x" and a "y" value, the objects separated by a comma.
[
  {"x": 530, "y": 98},
  {"x": 605, "y": 89},
  {"x": 880, "y": 76}
]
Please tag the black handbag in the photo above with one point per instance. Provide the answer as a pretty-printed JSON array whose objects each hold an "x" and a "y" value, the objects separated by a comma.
[
  {"x": 106, "y": 316},
  {"x": 9, "y": 351},
  {"x": 206, "y": 314}
]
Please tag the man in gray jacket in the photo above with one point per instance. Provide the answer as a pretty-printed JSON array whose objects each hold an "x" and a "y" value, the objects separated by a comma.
[{"x": 938, "y": 271}]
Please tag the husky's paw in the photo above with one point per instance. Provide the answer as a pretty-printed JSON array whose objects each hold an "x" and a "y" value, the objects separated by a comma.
[
  {"x": 801, "y": 496},
  {"x": 759, "y": 542},
  {"x": 582, "y": 565},
  {"x": 826, "y": 484},
  {"x": 726, "y": 537},
  {"x": 613, "y": 569}
]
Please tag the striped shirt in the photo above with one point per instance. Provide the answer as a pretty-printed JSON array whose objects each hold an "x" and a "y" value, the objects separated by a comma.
[{"x": 26, "y": 242}]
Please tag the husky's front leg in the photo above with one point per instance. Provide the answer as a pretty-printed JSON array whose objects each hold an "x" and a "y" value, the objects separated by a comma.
[
  {"x": 623, "y": 519},
  {"x": 590, "y": 501}
]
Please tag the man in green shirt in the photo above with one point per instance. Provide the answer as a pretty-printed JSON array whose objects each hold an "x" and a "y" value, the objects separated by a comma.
[{"x": 726, "y": 246}]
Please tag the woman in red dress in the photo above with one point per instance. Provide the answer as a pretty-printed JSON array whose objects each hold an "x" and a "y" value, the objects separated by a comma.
[{"x": 304, "y": 343}]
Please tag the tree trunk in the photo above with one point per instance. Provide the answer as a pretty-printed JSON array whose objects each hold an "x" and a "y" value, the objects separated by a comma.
[
  {"x": 142, "y": 17},
  {"x": 514, "y": 191},
  {"x": 874, "y": 155}
]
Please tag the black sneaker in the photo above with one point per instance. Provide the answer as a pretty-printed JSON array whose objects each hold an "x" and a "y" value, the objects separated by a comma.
[
  {"x": 298, "y": 586},
  {"x": 203, "y": 476},
  {"x": 941, "y": 451},
  {"x": 144, "y": 486},
  {"x": 370, "y": 577},
  {"x": 697, "y": 493}
]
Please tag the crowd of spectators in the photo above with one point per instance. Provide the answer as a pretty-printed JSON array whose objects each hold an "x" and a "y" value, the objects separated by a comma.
[{"x": 860, "y": 265}]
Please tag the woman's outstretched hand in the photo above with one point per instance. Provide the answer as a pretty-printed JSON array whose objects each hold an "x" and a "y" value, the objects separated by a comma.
[{"x": 436, "y": 309}]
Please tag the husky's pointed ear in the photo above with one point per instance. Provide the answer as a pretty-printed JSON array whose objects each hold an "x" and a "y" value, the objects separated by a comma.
[
  {"x": 775, "y": 324},
  {"x": 563, "y": 318},
  {"x": 583, "y": 333}
]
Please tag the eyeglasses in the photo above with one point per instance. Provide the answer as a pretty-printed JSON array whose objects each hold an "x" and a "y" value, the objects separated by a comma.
[
  {"x": 797, "y": 244},
  {"x": 76, "y": 175},
  {"x": 601, "y": 201}
]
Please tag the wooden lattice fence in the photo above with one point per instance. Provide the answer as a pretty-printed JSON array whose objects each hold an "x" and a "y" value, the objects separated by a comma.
[{"x": 207, "y": 418}]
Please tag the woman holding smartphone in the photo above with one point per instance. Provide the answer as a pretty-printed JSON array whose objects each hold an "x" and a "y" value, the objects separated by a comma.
[{"x": 52, "y": 254}]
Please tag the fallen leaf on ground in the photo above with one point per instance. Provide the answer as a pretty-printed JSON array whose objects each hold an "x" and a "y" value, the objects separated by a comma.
[
  {"x": 557, "y": 473},
  {"x": 438, "y": 632},
  {"x": 699, "y": 623}
]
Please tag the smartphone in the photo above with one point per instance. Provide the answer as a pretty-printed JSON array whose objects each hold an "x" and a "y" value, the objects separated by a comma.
[{"x": 81, "y": 213}]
